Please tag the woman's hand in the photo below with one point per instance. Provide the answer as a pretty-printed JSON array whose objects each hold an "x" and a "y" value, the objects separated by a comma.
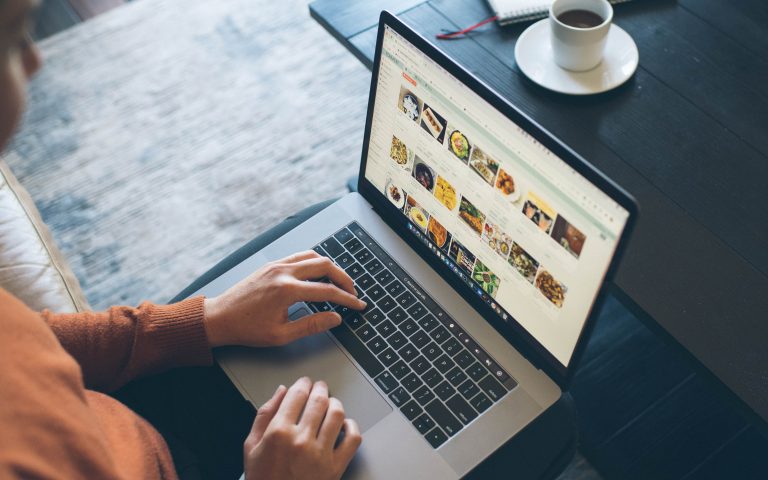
[
  {"x": 287, "y": 444},
  {"x": 254, "y": 312}
]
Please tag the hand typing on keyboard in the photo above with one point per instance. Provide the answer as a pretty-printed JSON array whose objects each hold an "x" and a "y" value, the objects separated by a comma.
[{"x": 254, "y": 312}]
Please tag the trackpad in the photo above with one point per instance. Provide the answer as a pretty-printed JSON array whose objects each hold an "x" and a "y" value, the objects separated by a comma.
[{"x": 259, "y": 371}]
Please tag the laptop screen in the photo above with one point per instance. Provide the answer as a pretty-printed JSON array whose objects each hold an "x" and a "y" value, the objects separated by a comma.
[{"x": 528, "y": 234}]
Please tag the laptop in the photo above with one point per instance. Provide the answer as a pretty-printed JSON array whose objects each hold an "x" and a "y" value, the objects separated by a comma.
[{"x": 482, "y": 245}]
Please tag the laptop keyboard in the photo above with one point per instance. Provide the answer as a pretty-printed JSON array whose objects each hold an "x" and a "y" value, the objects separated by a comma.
[{"x": 430, "y": 368}]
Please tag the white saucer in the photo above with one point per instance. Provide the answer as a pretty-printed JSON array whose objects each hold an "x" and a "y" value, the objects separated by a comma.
[{"x": 533, "y": 53}]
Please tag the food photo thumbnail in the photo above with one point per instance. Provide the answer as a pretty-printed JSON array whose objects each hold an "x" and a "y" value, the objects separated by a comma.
[
  {"x": 400, "y": 153},
  {"x": 458, "y": 144},
  {"x": 409, "y": 104},
  {"x": 568, "y": 236},
  {"x": 423, "y": 173},
  {"x": 484, "y": 165},
  {"x": 471, "y": 215},
  {"x": 416, "y": 213},
  {"x": 434, "y": 123}
]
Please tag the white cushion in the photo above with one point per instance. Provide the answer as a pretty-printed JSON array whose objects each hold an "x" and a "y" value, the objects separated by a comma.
[{"x": 31, "y": 266}]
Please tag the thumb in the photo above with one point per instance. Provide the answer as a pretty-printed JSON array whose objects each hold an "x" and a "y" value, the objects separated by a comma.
[
  {"x": 310, "y": 325},
  {"x": 266, "y": 413}
]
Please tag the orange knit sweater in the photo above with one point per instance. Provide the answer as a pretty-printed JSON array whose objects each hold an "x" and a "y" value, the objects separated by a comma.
[{"x": 54, "y": 422}]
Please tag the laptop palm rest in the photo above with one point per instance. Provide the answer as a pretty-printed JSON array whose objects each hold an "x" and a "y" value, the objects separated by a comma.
[{"x": 258, "y": 372}]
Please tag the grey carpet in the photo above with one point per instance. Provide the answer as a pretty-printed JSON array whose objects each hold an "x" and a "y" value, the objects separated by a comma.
[{"x": 165, "y": 134}]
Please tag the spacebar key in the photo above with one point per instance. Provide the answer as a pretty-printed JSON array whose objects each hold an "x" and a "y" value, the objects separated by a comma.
[{"x": 360, "y": 353}]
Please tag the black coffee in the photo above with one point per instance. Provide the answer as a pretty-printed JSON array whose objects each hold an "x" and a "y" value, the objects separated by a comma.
[{"x": 580, "y": 18}]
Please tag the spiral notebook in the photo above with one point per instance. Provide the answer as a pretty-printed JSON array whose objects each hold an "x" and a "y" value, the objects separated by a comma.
[{"x": 512, "y": 11}]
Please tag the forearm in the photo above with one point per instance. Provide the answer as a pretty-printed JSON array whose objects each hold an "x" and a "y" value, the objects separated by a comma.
[{"x": 122, "y": 343}]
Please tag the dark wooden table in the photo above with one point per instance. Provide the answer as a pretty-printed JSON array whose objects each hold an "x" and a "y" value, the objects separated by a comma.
[{"x": 687, "y": 136}]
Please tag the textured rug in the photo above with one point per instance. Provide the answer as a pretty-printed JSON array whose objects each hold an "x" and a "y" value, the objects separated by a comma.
[{"x": 165, "y": 134}]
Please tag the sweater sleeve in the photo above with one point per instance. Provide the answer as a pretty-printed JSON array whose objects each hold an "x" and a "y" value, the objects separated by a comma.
[
  {"x": 48, "y": 429},
  {"x": 123, "y": 343}
]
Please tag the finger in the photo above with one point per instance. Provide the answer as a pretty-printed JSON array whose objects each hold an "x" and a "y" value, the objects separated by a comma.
[
  {"x": 309, "y": 325},
  {"x": 294, "y": 401},
  {"x": 299, "y": 257},
  {"x": 314, "y": 412},
  {"x": 325, "y": 292},
  {"x": 315, "y": 268},
  {"x": 332, "y": 423},
  {"x": 348, "y": 445},
  {"x": 266, "y": 413}
]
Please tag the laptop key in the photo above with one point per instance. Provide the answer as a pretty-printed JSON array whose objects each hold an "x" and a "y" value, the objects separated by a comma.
[
  {"x": 408, "y": 352},
  {"x": 376, "y": 292},
  {"x": 459, "y": 407},
  {"x": 436, "y": 437},
  {"x": 332, "y": 246},
  {"x": 384, "y": 277},
  {"x": 423, "y": 395},
  {"x": 320, "y": 306},
  {"x": 401, "y": 369},
  {"x": 444, "y": 390},
  {"x": 408, "y": 327},
  {"x": 412, "y": 382},
  {"x": 386, "y": 304},
  {"x": 492, "y": 388},
  {"x": 452, "y": 346},
  {"x": 420, "y": 364},
  {"x": 343, "y": 235},
  {"x": 432, "y": 377},
  {"x": 388, "y": 357},
  {"x": 406, "y": 299},
  {"x": 444, "y": 363},
  {"x": 440, "y": 334},
  {"x": 374, "y": 266},
  {"x": 411, "y": 410},
  {"x": 443, "y": 417},
  {"x": 398, "y": 315},
  {"x": 354, "y": 245},
  {"x": 468, "y": 389},
  {"x": 464, "y": 359},
  {"x": 428, "y": 323},
  {"x": 397, "y": 340},
  {"x": 420, "y": 339},
  {"x": 319, "y": 250},
  {"x": 386, "y": 328},
  {"x": 357, "y": 349},
  {"x": 417, "y": 310},
  {"x": 432, "y": 351},
  {"x": 395, "y": 288},
  {"x": 366, "y": 332},
  {"x": 354, "y": 321},
  {"x": 481, "y": 402},
  {"x": 386, "y": 382},
  {"x": 344, "y": 260},
  {"x": 376, "y": 344},
  {"x": 424, "y": 424},
  {"x": 456, "y": 376},
  {"x": 364, "y": 282},
  {"x": 375, "y": 316},
  {"x": 364, "y": 256},
  {"x": 354, "y": 270},
  {"x": 399, "y": 396},
  {"x": 476, "y": 371}
]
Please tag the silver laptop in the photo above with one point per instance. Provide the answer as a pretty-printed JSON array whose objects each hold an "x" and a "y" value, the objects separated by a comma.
[{"x": 481, "y": 245}]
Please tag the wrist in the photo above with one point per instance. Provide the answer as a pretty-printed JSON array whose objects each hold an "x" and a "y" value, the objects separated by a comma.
[{"x": 212, "y": 317}]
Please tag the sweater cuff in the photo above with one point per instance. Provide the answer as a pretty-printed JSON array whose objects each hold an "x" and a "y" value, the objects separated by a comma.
[{"x": 180, "y": 333}]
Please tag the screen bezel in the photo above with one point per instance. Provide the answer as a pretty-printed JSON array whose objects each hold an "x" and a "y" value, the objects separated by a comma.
[{"x": 512, "y": 331}]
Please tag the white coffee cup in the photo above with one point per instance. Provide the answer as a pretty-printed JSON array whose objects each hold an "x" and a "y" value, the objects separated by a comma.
[{"x": 579, "y": 49}]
